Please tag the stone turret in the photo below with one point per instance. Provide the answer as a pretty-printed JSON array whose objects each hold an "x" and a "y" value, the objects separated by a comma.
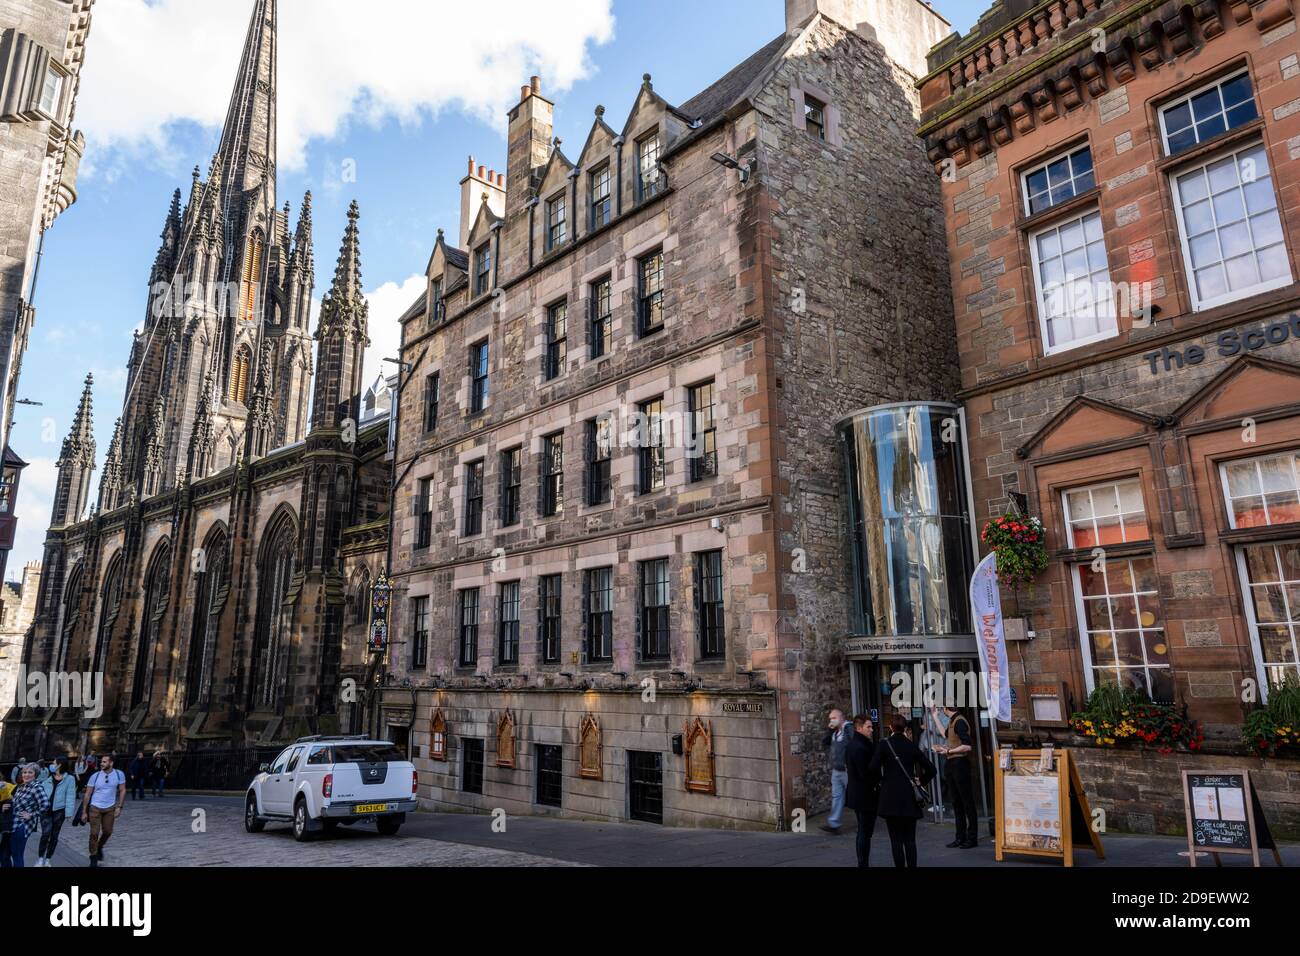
[
  {"x": 342, "y": 337},
  {"x": 76, "y": 464}
]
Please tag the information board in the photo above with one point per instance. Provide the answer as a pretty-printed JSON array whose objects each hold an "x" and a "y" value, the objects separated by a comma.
[
  {"x": 1040, "y": 806},
  {"x": 1224, "y": 815}
]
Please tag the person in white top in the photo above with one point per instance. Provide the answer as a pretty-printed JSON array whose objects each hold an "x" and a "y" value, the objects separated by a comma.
[{"x": 102, "y": 805}]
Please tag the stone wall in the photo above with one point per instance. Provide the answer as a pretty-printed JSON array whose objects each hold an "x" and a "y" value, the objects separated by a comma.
[{"x": 1142, "y": 790}]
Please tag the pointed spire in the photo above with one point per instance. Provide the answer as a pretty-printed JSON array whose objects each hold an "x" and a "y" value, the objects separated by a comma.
[
  {"x": 79, "y": 446},
  {"x": 248, "y": 139},
  {"x": 202, "y": 439},
  {"x": 110, "y": 482},
  {"x": 344, "y": 308},
  {"x": 303, "y": 257}
]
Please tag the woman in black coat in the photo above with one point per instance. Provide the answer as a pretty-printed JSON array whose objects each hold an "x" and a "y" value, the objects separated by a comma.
[{"x": 897, "y": 795}]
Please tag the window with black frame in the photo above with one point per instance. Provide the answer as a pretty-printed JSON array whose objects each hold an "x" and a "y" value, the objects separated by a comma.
[
  {"x": 550, "y": 587},
  {"x": 483, "y": 269},
  {"x": 556, "y": 222},
  {"x": 704, "y": 434},
  {"x": 550, "y": 775},
  {"x": 655, "y": 606},
  {"x": 557, "y": 337},
  {"x": 419, "y": 632},
  {"x": 598, "y": 584},
  {"x": 553, "y": 475},
  {"x": 478, "y": 373},
  {"x": 511, "y": 479},
  {"x": 508, "y": 624},
  {"x": 436, "y": 305},
  {"x": 650, "y": 293},
  {"x": 650, "y": 441},
  {"x": 600, "y": 450},
  {"x": 424, "y": 515},
  {"x": 432, "y": 396},
  {"x": 709, "y": 604},
  {"x": 471, "y": 773},
  {"x": 468, "y": 643},
  {"x": 474, "y": 498},
  {"x": 600, "y": 198},
  {"x": 814, "y": 117},
  {"x": 602, "y": 326}
]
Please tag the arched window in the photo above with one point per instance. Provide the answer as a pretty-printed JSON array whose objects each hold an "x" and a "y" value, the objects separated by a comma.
[
  {"x": 271, "y": 639},
  {"x": 110, "y": 605},
  {"x": 157, "y": 592},
  {"x": 71, "y": 612},
  {"x": 252, "y": 277},
  {"x": 361, "y": 597},
  {"x": 211, "y": 587},
  {"x": 239, "y": 375}
]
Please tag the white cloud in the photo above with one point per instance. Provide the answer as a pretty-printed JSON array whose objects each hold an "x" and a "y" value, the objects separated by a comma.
[
  {"x": 387, "y": 303},
  {"x": 152, "y": 63}
]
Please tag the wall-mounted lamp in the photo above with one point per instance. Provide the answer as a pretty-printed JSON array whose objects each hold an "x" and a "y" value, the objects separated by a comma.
[{"x": 730, "y": 162}]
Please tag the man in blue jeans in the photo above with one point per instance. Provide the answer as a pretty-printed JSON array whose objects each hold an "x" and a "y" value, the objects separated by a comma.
[{"x": 838, "y": 734}]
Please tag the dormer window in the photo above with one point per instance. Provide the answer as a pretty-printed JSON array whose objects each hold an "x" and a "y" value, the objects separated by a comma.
[
  {"x": 600, "y": 206},
  {"x": 647, "y": 163},
  {"x": 814, "y": 117},
  {"x": 556, "y": 225},
  {"x": 483, "y": 268},
  {"x": 435, "y": 302}
]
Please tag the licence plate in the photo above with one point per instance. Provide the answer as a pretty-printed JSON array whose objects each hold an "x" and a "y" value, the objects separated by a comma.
[{"x": 370, "y": 808}]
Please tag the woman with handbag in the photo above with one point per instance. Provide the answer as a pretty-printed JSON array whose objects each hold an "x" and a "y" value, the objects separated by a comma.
[{"x": 904, "y": 794}]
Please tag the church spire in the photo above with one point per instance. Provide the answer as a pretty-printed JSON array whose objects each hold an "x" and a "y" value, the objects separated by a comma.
[
  {"x": 110, "y": 482},
  {"x": 344, "y": 320},
  {"x": 75, "y": 464},
  {"x": 247, "y": 150}
]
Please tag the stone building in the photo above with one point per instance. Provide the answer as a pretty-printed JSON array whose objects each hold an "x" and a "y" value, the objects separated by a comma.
[
  {"x": 210, "y": 585},
  {"x": 620, "y": 549},
  {"x": 17, "y": 610},
  {"x": 42, "y": 47},
  {"x": 1116, "y": 179}
]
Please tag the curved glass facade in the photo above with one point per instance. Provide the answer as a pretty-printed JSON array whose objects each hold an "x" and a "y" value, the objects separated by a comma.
[{"x": 910, "y": 520}]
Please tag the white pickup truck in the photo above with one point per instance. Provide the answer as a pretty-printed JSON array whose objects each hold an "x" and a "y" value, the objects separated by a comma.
[{"x": 320, "y": 782}]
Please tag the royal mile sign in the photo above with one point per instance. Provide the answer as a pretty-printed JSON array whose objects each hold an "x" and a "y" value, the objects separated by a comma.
[{"x": 1227, "y": 344}]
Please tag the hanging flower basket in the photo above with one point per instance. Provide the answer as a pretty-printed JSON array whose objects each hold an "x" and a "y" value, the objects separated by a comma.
[{"x": 1018, "y": 543}]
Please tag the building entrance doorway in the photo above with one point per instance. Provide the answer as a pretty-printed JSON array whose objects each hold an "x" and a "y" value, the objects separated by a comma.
[{"x": 917, "y": 689}]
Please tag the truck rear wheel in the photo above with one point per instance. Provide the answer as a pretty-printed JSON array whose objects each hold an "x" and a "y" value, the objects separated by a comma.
[{"x": 388, "y": 826}]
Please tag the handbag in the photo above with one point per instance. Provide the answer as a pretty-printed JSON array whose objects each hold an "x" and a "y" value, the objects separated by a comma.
[{"x": 919, "y": 793}]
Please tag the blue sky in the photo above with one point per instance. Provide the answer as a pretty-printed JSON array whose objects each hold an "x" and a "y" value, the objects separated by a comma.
[{"x": 354, "y": 95}]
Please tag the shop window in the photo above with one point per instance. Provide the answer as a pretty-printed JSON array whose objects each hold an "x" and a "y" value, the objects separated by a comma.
[
  {"x": 1262, "y": 491},
  {"x": 1270, "y": 576},
  {"x": 1229, "y": 228},
  {"x": 1120, "y": 616},
  {"x": 1111, "y": 513}
]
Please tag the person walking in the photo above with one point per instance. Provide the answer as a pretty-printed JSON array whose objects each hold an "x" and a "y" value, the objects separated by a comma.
[
  {"x": 102, "y": 805},
  {"x": 159, "y": 767},
  {"x": 957, "y": 748},
  {"x": 863, "y": 793},
  {"x": 18, "y": 769},
  {"x": 838, "y": 733},
  {"x": 61, "y": 791},
  {"x": 6, "y": 816},
  {"x": 903, "y": 767},
  {"x": 137, "y": 772},
  {"x": 30, "y": 803}
]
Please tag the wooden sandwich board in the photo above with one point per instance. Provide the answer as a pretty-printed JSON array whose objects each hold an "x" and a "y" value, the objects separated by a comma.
[
  {"x": 1224, "y": 816},
  {"x": 1040, "y": 806}
]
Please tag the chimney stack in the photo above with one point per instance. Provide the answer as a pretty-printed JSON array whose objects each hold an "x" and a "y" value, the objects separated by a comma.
[
  {"x": 479, "y": 180},
  {"x": 529, "y": 144}
]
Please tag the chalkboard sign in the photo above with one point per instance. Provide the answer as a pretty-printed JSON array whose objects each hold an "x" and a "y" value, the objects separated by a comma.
[{"x": 1224, "y": 815}]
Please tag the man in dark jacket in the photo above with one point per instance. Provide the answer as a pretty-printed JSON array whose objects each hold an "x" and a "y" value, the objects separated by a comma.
[
  {"x": 864, "y": 785},
  {"x": 839, "y": 732},
  {"x": 136, "y": 772}
]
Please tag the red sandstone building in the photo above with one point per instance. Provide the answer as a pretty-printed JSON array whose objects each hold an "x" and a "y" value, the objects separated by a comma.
[{"x": 1120, "y": 186}]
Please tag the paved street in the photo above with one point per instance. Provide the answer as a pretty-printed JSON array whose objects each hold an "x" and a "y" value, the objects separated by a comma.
[{"x": 161, "y": 833}]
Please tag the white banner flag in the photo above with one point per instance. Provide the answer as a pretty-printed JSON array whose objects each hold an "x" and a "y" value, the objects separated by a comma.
[{"x": 986, "y": 606}]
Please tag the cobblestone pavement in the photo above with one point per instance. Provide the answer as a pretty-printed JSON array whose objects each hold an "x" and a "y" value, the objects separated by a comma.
[{"x": 160, "y": 833}]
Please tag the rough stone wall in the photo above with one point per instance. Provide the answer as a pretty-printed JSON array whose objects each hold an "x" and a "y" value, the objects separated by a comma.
[{"x": 861, "y": 316}]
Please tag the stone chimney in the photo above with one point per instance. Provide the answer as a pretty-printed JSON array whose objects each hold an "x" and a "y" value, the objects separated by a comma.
[
  {"x": 529, "y": 140},
  {"x": 907, "y": 29},
  {"x": 477, "y": 182}
]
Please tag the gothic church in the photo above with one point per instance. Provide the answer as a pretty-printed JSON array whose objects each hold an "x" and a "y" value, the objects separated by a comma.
[{"x": 219, "y": 581}]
